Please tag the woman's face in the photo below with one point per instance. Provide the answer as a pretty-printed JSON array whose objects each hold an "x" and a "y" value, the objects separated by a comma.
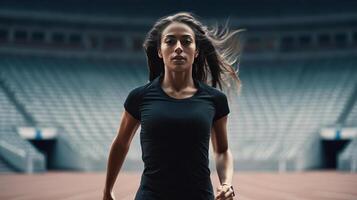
[{"x": 178, "y": 47}]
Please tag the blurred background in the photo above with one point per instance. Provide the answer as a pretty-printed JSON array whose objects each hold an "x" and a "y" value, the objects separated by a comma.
[{"x": 67, "y": 66}]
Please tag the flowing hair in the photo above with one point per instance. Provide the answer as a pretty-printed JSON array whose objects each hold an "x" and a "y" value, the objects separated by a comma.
[{"x": 218, "y": 51}]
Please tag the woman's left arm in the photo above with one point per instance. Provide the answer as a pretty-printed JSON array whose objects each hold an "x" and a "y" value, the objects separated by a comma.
[{"x": 223, "y": 158}]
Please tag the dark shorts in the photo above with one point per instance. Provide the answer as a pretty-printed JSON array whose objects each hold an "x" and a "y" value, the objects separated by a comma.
[{"x": 151, "y": 190}]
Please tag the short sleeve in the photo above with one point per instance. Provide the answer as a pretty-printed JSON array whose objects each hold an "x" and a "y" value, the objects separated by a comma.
[
  {"x": 222, "y": 107},
  {"x": 132, "y": 103}
]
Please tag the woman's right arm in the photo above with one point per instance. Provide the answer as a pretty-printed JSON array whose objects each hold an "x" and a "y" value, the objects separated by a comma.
[{"x": 119, "y": 149}]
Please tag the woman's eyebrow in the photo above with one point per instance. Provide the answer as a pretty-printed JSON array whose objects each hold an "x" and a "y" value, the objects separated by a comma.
[{"x": 173, "y": 36}]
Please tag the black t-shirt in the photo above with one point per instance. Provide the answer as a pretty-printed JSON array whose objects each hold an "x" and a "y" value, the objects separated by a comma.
[{"x": 175, "y": 136}]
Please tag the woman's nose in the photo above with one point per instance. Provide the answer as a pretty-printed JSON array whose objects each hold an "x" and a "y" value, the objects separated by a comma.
[{"x": 178, "y": 48}]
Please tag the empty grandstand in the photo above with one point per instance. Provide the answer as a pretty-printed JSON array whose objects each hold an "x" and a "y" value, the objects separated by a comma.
[
  {"x": 64, "y": 78},
  {"x": 273, "y": 126}
]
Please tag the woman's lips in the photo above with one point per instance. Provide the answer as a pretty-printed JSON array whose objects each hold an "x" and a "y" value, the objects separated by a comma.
[
  {"x": 178, "y": 58},
  {"x": 178, "y": 61}
]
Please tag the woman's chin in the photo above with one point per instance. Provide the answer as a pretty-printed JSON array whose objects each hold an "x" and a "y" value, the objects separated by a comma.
[
  {"x": 179, "y": 62},
  {"x": 180, "y": 68}
]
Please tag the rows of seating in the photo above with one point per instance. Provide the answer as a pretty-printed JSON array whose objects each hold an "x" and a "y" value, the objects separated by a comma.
[
  {"x": 84, "y": 98},
  {"x": 348, "y": 157},
  {"x": 10, "y": 118},
  {"x": 351, "y": 119},
  {"x": 282, "y": 106},
  {"x": 9, "y": 114}
]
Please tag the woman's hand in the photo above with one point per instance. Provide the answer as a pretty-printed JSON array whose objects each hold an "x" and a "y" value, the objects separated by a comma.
[
  {"x": 224, "y": 192},
  {"x": 108, "y": 196}
]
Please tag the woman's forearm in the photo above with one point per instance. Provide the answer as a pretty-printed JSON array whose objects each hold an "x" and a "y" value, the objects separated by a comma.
[
  {"x": 224, "y": 166},
  {"x": 115, "y": 160}
]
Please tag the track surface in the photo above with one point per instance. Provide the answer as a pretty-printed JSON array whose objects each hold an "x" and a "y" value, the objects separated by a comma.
[{"x": 314, "y": 185}]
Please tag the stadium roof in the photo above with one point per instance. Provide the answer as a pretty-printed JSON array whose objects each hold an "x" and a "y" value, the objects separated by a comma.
[{"x": 208, "y": 8}]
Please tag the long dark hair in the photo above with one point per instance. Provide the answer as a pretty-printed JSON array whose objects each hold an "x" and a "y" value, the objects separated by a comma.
[{"x": 218, "y": 51}]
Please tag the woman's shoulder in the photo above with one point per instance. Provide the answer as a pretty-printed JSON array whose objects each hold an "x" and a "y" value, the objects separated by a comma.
[
  {"x": 140, "y": 89},
  {"x": 212, "y": 90},
  {"x": 220, "y": 100}
]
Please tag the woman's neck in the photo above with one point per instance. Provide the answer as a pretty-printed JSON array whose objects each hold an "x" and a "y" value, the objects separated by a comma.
[{"x": 177, "y": 81}]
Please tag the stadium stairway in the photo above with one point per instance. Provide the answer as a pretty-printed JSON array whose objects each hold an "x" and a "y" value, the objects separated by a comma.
[
  {"x": 78, "y": 98},
  {"x": 347, "y": 159},
  {"x": 5, "y": 167},
  {"x": 16, "y": 153}
]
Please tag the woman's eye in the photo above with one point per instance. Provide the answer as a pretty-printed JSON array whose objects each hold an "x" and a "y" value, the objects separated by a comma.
[
  {"x": 186, "y": 42},
  {"x": 169, "y": 41}
]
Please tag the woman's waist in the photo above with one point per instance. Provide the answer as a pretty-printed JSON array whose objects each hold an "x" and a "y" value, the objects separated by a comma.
[{"x": 175, "y": 181}]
